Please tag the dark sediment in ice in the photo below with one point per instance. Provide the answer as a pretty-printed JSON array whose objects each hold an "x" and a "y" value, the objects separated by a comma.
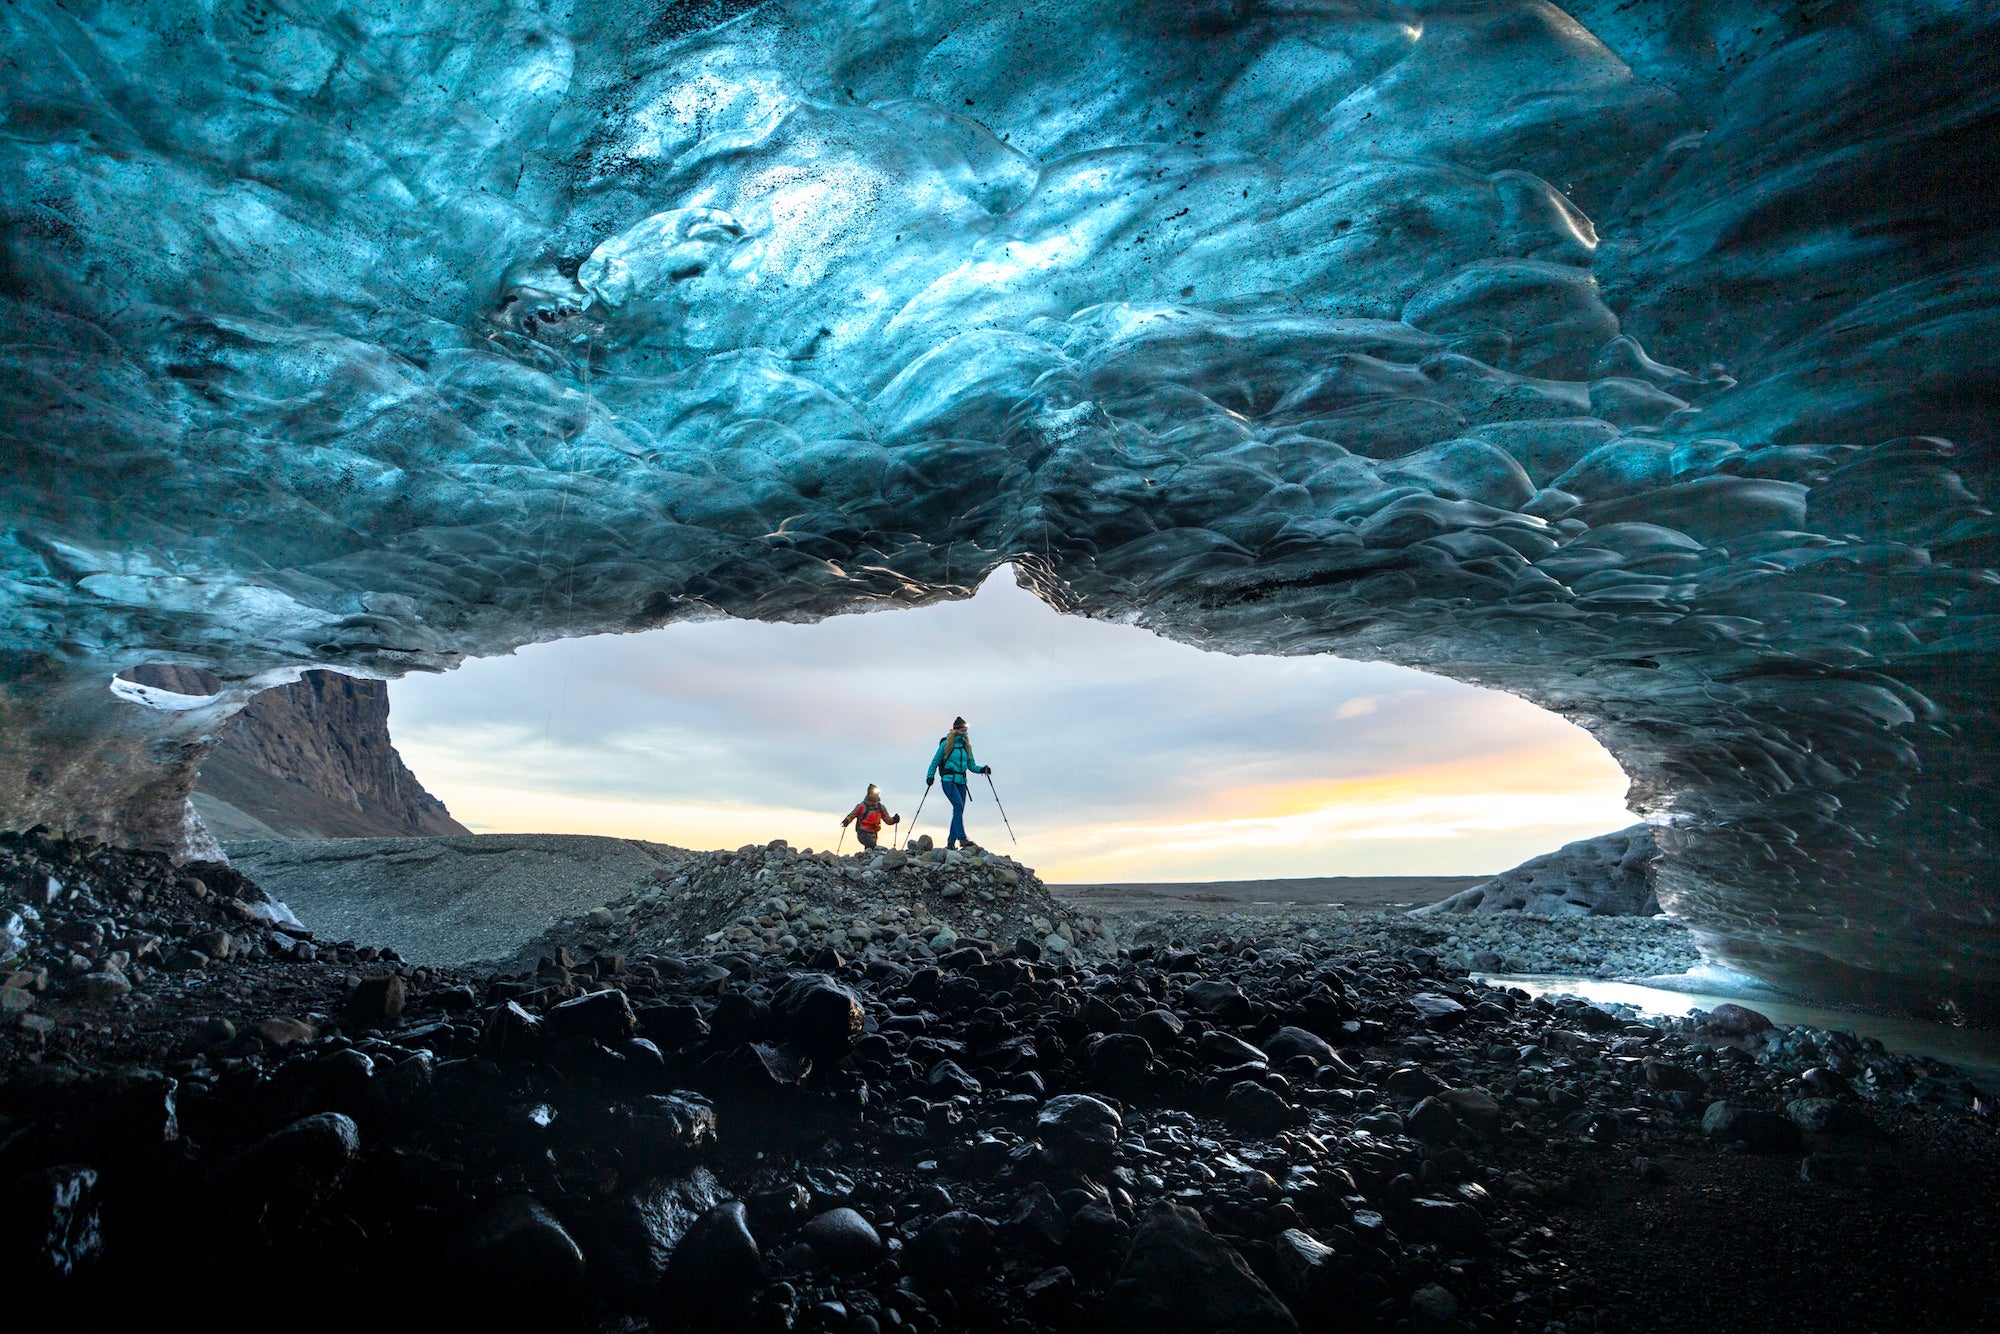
[{"x": 1607, "y": 876}]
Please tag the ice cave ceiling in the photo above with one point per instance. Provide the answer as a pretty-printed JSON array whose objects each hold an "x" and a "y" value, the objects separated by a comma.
[{"x": 1638, "y": 357}]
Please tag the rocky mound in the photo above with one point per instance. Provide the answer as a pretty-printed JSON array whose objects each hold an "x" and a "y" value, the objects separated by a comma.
[
  {"x": 1607, "y": 876},
  {"x": 914, "y": 903}
]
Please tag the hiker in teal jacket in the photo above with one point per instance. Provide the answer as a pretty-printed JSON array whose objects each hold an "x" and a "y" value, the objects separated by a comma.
[{"x": 952, "y": 762}]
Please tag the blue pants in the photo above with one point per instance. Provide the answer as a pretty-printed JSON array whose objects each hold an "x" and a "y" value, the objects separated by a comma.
[{"x": 955, "y": 794}]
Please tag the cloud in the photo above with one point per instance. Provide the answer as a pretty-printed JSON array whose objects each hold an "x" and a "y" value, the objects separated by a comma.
[{"x": 1111, "y": 746}]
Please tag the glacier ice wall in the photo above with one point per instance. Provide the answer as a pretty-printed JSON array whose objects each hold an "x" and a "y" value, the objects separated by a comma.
[{"x": 1639, "y": 358}]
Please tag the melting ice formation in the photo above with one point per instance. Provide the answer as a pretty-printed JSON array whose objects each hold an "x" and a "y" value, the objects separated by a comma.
[{"x": 1638, "y": 358}]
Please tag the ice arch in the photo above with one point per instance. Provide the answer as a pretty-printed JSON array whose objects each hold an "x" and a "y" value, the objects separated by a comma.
[{"x": 1638, "y": 358}]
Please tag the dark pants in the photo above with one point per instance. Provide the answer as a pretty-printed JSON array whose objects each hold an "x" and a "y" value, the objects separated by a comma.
[
  {"x": 955, "y": 794},
  {"x": 866, "y": 837}
]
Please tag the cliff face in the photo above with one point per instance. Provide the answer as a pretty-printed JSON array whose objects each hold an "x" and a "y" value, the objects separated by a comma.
[{"x": 309, "y": 760}]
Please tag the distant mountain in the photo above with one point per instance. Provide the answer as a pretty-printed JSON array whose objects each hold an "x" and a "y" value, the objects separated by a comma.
[{"x": 309, "y": 760}]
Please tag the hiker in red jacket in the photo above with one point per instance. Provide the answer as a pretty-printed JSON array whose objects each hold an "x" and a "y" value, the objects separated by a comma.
[{"x": 867, "y": 818}]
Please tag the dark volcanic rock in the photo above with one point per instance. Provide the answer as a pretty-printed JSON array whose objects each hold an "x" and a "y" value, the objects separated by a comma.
[
  {"x": 1079, "y": 1127},
  {"x": 1289, "y": 1042},
  {"x": 1437, "y": 1011},
  {"x": 519, "y": 1261},
  {"x": 602, "y": 1016},
  {"x": 1221, "y": 1000},
  {"x": 1219, "y": 1048},
  {"x": 632, "y": 1237},
  {"x": 512, "y": 1031},
  {"x": 284, "y": 1179},
  {"x": 1758, "y": 1130},
  {"x": 1827, "y": 1116},
  {"x": 1121, "y": 1059},
  {"x": 662, "y": 1127},
  {"x": 1256, "y": 1110},
  {"x": 378, "y": 1001},
  {"x": 1735, "y": 1021},
  {"x": 842, "y": 1240},
  {"x": 717, "y": 1268},
  {"x": 991, "y": 1206},
  {"x": 1476, "y": 1107},
  {"x": 1160, "y": 1028},
  {"x": 1180, "y": 1279},
  {"x": 1431, "y": 1121},
  {"x": 1445, "y": 1222},
  {"x": 952, "y": 1251},
  {"x": 822, "y": 1017},
  {"x": 1304, "y": 1266}
]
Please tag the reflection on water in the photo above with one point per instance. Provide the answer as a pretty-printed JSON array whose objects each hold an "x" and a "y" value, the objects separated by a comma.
[{"x": 1977, "y": 1050}]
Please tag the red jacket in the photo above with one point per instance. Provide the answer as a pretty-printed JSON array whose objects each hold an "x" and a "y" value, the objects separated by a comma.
[{"x": 870, "y": 817}]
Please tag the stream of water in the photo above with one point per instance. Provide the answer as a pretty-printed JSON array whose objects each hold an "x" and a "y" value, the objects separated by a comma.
[{"x": 1976, "y": 1050}]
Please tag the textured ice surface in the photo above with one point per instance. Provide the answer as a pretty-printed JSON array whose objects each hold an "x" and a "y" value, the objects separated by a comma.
[
  {"x": 1609, "y": 876},
  {"x": 1639, "y": 358}
]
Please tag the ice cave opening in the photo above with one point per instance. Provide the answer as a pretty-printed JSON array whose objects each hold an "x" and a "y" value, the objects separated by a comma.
[{"x": 1123, "y": 757}]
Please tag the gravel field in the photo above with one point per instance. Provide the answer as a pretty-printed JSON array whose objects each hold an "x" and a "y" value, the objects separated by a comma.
[{"x": 1605, "y": 947}]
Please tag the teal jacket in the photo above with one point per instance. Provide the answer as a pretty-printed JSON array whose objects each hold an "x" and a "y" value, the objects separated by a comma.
[{"x": 951, "y": 761}]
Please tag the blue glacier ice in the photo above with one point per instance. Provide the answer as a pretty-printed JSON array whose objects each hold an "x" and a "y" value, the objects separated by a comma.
[{"x": 1636, "y": 357}]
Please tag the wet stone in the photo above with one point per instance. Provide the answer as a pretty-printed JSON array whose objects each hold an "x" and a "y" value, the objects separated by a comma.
[
  {"x": 285, "y": 1179},
  {"x": 948, "y": 1077},
  {"x": 1445, "y": 1222},
  {"x": 1256, "y": 1110},
  {"x": 1224, "y": 1049},
  {"x": 602, "y": 1016},
  {"x": 1475, "y": 1107},
  {"x": 1438, "y": 1012},
  {"x": 1121, "y": 1059},
  {"x": 517, "y": 1259},
  {"x": 1756, "y": 1129},
  {"x": 717, "y": 1267},
  {"x": 824, "y": 1018},
  {"x": 632, "y": 1237},
  {"x": 1160, "y": 1028},
  {"x": 1431, "y": 1121},
  {"x": 1079, "y": 1125},
  {"x": 662, "y": 1127},
  {"x": 842, "y": 1240},
  {"x": 1289, "y": 1042},
  {"x": 1735, "y": 1021},
  {"x": 1221, "y": 1000},
  {"x": 378, "y": 1001},
  {"x": 1178, "y": 1278},
  {"x": 951, "y": 1251}
]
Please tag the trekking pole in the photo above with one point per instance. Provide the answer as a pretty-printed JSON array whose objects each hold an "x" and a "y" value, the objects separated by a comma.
[
  {"x": 843, "y": 840},
  {"x": 911, "y": 827},
  {"x": 1003, "y": 811}
]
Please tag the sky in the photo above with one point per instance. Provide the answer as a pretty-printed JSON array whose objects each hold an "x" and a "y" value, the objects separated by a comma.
[{"x": 1120, "y": 756}]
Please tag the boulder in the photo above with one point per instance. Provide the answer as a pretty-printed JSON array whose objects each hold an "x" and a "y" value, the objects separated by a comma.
[
  {"x": 1179, "y": 1278},
  {"x": 1607, "y": 876},
  {"x": 1755, "y": 1129}
]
